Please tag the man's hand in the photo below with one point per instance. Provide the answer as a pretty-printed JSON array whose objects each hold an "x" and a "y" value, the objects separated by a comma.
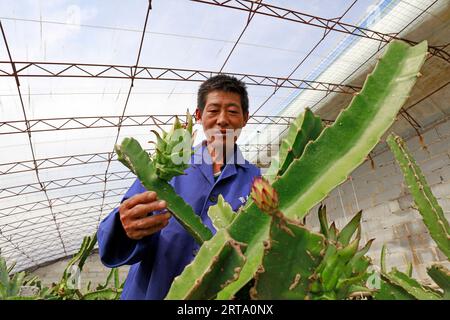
[{"x": 134, "y": 215}]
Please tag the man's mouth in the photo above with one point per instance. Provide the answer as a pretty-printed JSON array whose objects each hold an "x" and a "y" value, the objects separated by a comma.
[{"x": 222, "y": 135}]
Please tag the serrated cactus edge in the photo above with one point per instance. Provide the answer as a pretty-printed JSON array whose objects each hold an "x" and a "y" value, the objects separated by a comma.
[{"x": 427, "y": 204}]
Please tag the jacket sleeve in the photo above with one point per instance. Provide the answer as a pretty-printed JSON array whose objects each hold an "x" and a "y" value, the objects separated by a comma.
[{"x": 115, "y": 248}]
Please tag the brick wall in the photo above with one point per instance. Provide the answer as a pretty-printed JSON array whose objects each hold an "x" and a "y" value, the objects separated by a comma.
[{"x": 388, "y": 212}]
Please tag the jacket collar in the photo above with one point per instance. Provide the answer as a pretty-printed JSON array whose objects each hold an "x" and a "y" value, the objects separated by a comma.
[{"x": 202, "y": 159}]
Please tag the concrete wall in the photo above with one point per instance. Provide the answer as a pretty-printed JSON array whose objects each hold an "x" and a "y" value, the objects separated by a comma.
[
  {"x": 388, "y": 213},
  {"x": 93, "y": 271}
]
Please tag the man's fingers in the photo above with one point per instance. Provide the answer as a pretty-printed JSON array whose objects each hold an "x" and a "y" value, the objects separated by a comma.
[
  {"x": 141, "y": 198},
  {"x": 152, "y": 221},
  {"x": 139, "y": 234},
  {"x": 141, "y": 210},
  {"x": 144, "y": 233}
]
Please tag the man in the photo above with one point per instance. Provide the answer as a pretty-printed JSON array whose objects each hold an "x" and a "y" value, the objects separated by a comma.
[{"x": 140, "y": 232}]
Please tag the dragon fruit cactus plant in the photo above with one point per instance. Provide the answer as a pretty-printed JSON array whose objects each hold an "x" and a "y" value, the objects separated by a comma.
[
  {"x": 264, "y": 246},
  {"x": 396, "y": 284},
  {"x": 171, "y": 158}
]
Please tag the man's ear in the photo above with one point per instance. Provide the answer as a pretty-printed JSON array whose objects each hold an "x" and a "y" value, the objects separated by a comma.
[
  {"x": 246, "y": 117},
  {"x": 198, "y": 115}
]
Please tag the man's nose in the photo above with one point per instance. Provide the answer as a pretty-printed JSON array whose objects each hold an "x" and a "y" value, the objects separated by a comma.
[{"x": 222, "y": 119}]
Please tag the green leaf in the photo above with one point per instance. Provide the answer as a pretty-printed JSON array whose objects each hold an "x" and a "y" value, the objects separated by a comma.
[
  {"x": 409, "y": 270},
  {"x": 383, "y": 259},
  {"x": 221, "y": 214},
  {"x": 347, "y": 232},
  {"x": 15, "y": 284},
  {"x": 323, "y": 220},
  {"x": 108, "y": 279},
  {"x": 332, "y": 232},
  {"x": 4, "y": 273},
  {"x": 116, "y": 278}
]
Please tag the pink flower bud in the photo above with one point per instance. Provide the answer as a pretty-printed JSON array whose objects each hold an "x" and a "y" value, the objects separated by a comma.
[{"x": 264, "y": 195}]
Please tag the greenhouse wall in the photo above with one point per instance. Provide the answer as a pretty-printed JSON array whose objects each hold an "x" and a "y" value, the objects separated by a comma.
[{"x": 93, "y": 271}]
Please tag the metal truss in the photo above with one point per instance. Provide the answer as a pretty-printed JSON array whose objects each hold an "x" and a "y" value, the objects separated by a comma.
[
  {"x": 46, "y": 257},
  {"x": 77, "y": 160},
  {"x": 73, "y": 123},
  {"x": 403, "y": 111},
  {"x": 61, "y": 201},
  {"x": 48, "y": 241},
  {"x": 101, "y": 71},
  {"x": 45, "y": 230},
  {"x": 30, "y": 143},
  {"x": 64, "y": 183},
  {"x": 57, "y": 162},
  {"x": 319, "y": 22},
  {"x": 32, "y": 237},
  {"x": 65, "y": 215}
]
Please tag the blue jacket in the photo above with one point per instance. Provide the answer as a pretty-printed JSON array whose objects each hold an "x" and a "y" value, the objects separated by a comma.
[{"x": 157, "y": 259}]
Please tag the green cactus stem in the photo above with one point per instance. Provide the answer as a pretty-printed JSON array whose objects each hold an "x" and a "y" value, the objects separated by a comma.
[
  {"x": 131, "y": 154},
  {"x": 221, "y": 214},
  {"x": 441, "y": 275},
  {"x": 341, "y": 148},
  {"x": 285, "y": 273},
  {"x": 305, "y": 128},
  {"x": 432, "y": 213},
  {"x": 219, "y": 262},
  {"x": 411, "y": 286},
  {"x": 322, "y": 213},
  {"x": 104, "y": 294},
  {"x": 389, "y": 291},
  {"x": 327, "y": 161}
]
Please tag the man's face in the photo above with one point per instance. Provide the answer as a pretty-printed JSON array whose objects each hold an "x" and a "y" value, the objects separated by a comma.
[{"x": 222, "y": 118}]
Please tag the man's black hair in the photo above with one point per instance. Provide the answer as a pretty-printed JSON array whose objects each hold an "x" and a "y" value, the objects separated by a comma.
[{"x": 224, "y": 83}]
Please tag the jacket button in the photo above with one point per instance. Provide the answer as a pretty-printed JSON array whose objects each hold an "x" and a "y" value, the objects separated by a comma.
[{"x": 213, "y": 199}]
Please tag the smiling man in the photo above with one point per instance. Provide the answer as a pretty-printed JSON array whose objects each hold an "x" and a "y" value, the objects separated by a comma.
[{"x": 141, "y": 233}]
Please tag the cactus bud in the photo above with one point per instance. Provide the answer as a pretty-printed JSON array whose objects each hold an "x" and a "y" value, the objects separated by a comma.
[
  {"x": 264, "y": 195},
  {"x": 173, "y": 149}
]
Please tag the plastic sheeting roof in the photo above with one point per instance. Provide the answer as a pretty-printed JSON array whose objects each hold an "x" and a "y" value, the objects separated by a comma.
[{"x": 89, "y": 76}]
